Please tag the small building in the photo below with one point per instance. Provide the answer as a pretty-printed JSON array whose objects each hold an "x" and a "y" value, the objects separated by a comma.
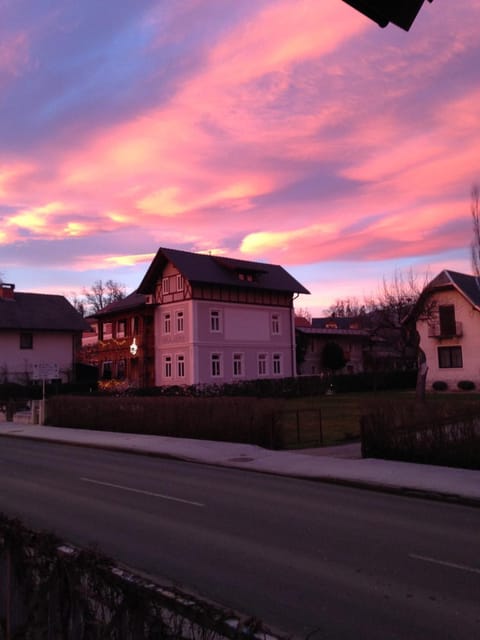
[
  {"x": 348, "y": 333},
  {"x": 450, "y": 333},
  {"x": 220, "y": 320},
  {"x": 120, "y": 342},
  {"x": 40, "y": 335}
]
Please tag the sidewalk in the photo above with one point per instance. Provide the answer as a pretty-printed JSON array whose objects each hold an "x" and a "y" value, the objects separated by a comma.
[{"x": 341, "y": 465}]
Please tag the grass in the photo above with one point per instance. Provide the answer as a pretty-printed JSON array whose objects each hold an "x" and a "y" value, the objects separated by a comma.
[{"x": 341, "y": 413}]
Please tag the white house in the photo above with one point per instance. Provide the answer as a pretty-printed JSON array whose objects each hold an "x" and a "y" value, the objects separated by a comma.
[
  {"x": 220, "y": 320},
  {"x": 450, "y": 338},
  {"x": 39, "y": 335}
]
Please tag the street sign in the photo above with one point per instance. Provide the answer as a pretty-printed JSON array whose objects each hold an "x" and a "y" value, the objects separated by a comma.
[{"x": 45, "y": 371}]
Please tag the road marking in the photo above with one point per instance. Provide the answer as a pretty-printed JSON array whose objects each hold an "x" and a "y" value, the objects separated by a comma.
[
  {"x": 444, "y": 563},
  {"x": 147, "y": 493}
]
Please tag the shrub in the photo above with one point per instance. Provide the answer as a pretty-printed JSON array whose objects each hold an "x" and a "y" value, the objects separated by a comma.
[
  {"x": 466, "y": 385},
  {"x": 439, "y": 385}
]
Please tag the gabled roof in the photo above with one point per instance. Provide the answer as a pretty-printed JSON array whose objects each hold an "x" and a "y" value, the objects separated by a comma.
[
  {"x": 202, "y": 268},
  {"x": 132, "y": 301},
  {"x": 40, "y": 312},
  {"x": 467, "y": 285}
]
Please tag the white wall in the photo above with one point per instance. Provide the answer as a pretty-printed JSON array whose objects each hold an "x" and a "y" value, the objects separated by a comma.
[
  {"x": 469, "y": 342},
  {"x": 48, "y": 347}
]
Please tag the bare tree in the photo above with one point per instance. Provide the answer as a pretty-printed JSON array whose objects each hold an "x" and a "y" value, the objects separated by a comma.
[
  {"x": 475, "y": 244},
  {"x": 400, "y": 303},
  {"x": 347, "y": 308},
  {"x": 102, "y": 293},
  {"x": 303, "y": 313},
  {"x": 77, "y": 302}
]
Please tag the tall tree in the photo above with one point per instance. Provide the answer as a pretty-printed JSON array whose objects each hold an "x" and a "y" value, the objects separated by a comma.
[
  {"x": 401, "y": 302},
  {"x": 347, "y": 308},
  {"x": 102, "y": 293},
  {"x": 475, "y": 244}
]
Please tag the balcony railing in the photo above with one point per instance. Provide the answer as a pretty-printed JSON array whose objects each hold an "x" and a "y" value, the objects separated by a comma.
[{"x": 437, "y": 331}]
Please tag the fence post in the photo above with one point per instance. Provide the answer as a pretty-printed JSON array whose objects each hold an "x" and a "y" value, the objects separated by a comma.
[
  {"x": 8, "y": 594},
  {"x": 320, "y": 426},
  {"x": 298, "y": 426}
]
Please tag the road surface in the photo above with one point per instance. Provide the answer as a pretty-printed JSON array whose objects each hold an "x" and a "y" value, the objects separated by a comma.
[{"x": 307, "y": 558}]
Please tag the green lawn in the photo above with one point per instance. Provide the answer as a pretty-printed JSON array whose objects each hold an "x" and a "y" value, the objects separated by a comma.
[{"x": 340, "y": 412}]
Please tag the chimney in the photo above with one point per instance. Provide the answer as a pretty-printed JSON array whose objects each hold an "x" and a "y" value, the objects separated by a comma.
[{"x": 6, "y": 291}]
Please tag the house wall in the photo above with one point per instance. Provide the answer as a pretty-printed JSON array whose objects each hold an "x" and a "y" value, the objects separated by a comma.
[
  {"x": 468, "y": 341},
  {"x": 16, "y": 364},
  {"x": 242, "y": 335}
]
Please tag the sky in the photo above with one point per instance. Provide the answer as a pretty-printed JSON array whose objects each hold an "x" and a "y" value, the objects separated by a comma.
[{"x": 296, "y": 132}]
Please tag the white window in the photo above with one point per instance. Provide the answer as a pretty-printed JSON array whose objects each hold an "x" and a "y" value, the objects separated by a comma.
[
  {"x": 262, "y": 364},
  {"x": 275, "y": 324},
  {"x": 179, "y": 282},
  {"x": 167, "y": 323},
  {"x": 216, "y": 365},
  {"x": 181, "y": 366},
  {"x": 277, "y": 364},
  {"x": 165, "y": 285},
  {"x": 168, "y": 366},
  {"x": 215, "y": 325},
  {"x": 179, "y": 324},
  {"x": 238, "y": 364}
]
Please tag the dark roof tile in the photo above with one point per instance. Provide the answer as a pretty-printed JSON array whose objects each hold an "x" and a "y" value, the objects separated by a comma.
[
  {"x": 206, "y": 269},
  {"x": 40, "y": 312}
]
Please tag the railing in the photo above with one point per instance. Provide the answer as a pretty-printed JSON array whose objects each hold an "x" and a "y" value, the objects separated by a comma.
[{"x": 437, "y": 331}]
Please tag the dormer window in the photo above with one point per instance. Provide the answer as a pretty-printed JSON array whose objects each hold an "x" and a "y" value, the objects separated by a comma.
[
  {"x": 246, "y": 277},
  {"x": 331, "y": 325}
]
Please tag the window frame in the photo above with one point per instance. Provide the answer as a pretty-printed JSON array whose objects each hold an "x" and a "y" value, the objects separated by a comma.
[
  {"x": 276, "y": 324},
  {"x": 215, "y": 321},
  {"x": 449, "y": 357},
  {"x": 168, "y": 366},
  {"x": 26, "y": 340},
  {"x": 277, "y": 364},
  {"x": 262, "y": 364},
  {"x": 180, "y": 365},
  {"x": 167, "y": 323},
  {"x": 216, "y": 365},
  {"x": 179, "y": 321},
  {"x": 238, "y": 365}
]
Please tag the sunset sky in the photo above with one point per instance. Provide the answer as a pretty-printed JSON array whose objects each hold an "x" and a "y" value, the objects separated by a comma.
[{"x": 288, "y": 131}]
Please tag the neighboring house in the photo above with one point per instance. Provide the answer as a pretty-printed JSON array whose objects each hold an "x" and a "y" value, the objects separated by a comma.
[
  {"x": 219, "y": 319},
  {"x": 369, "y": 344},
  {"x": 40, "y": 336},
  {"x": 347, "y": 333},
  {"x": 121, "y": 342},
  {"x": 450, "y": 337}
]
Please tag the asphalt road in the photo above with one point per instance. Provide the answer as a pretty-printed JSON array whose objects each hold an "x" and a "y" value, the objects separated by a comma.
[{"x": 307, "y": 558}]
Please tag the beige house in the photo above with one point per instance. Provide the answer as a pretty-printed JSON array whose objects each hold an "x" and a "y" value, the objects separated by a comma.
[{"x": 450, "y": 338}]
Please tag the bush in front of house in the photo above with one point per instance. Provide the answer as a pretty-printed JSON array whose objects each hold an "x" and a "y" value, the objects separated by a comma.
[
  {"x": 431, "y": 433},
  {"x": 466, "y": 385},
  {"x": 439, "y": 385}
]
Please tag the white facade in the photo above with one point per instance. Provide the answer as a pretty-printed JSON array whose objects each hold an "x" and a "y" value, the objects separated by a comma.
[
  {"x": 200, "y": 341},
  {"x": 452, "y": 354},
  {"x": 24, "y": 352},
  {"x": 206, "y": 342}
]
